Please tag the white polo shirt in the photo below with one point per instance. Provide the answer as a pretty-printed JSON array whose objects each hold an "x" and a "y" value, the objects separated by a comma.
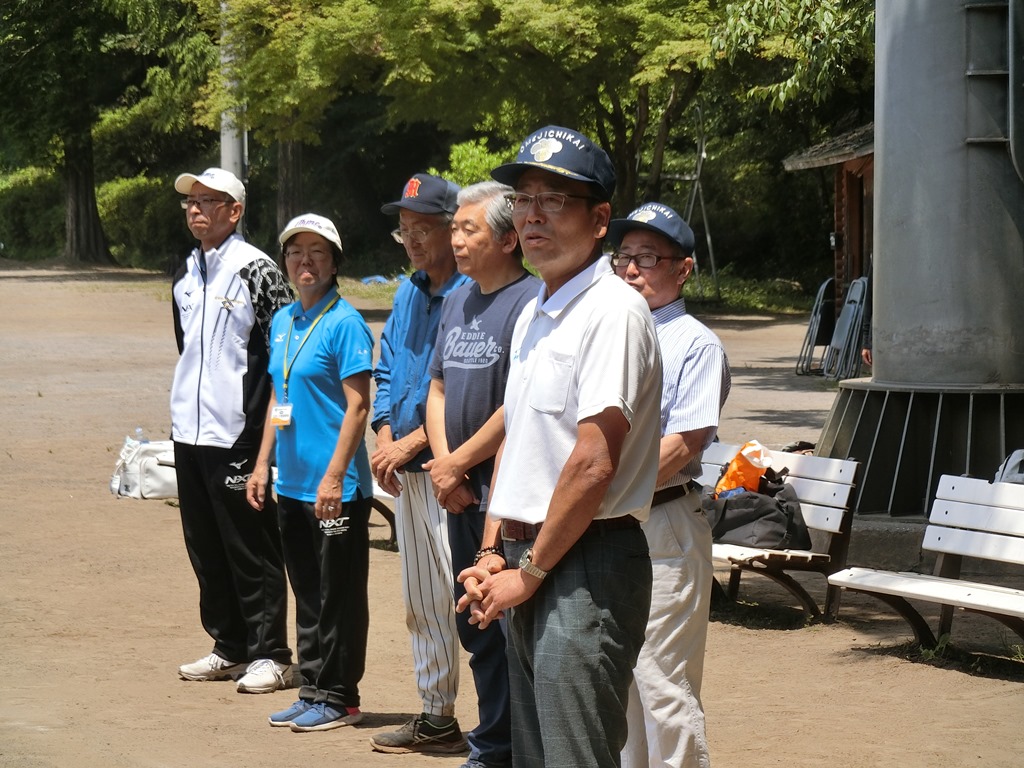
[{"x": 590, "y": 346}]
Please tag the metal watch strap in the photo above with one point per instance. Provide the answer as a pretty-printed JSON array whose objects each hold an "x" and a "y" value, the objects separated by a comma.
[{"x": 526, "y": 564}]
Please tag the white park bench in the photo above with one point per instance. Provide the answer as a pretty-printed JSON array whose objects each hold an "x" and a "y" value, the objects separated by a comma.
[
  {"x": 970, "y": 518},
  {"x": 824, "y": 487}
]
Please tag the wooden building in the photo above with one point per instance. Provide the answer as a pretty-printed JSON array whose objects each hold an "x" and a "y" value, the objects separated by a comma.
[{"x": 852, "y": 156}]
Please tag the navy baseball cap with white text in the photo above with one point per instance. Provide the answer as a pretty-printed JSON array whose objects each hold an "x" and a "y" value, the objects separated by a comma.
[
  {"x": 424, "y": 193},
  {"x": 563, "y": 151},
  {"x": 654, "y": 217}
]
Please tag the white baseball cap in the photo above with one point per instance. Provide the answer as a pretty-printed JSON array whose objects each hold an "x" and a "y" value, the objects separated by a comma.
[
  {"x": 311, "y": 222},
  {"x": 214, "y": 178}
]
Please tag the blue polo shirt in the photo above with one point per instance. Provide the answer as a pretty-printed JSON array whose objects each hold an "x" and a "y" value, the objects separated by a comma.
[
  {"x": 406, "y": 350},
  {"x": 339, "y": 346}
]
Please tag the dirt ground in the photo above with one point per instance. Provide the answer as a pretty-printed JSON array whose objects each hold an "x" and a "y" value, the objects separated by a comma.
[{"x": 98, "y": 604}]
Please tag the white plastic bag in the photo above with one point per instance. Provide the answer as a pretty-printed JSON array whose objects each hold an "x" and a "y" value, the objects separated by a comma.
[{"x": 145, "y": 470}]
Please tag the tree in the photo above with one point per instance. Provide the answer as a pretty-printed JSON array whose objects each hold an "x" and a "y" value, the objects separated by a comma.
[
  {"x": 622, "y": 72},
  {"x": 57, "y": 71},
  {"x": 825, "y": 45}
]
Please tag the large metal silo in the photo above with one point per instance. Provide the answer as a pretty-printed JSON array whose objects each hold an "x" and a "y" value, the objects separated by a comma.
[{"x": 947, "y": 395}]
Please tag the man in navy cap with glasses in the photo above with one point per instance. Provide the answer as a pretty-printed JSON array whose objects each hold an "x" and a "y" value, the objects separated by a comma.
[
  {"x": 425, "y": 213},
  {"x": 654, "y": 255},
  {"x": 576, "y": 469}
]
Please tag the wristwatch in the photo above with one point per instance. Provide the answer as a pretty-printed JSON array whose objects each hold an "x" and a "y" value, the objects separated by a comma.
[{"x": 526, "y": 564}]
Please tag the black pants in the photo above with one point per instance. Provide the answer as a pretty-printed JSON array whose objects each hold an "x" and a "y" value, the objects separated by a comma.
[
  {"x": 235, "y": 552},
  {"x": 329, "y": 566},
  {"x": 491, "y": 740}
]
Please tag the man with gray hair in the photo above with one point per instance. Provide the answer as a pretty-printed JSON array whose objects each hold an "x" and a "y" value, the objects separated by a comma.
[{"x": 465, "y": 423}]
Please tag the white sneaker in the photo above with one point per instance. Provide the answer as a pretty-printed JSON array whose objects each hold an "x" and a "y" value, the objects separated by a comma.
[
  {"x": 265, "y": 676},
  {"x": 211, "y": 667}
]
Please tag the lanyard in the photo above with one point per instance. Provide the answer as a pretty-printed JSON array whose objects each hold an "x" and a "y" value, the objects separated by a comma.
[{"x": 288, "y": 365}]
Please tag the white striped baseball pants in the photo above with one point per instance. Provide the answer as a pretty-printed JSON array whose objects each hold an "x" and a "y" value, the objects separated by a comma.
[{"x": 422, "y": 529}]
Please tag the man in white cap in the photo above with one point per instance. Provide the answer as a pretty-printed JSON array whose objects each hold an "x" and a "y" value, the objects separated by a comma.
[
  {"x": 654, "y": 255},
  {"x": 224, "y": 297}
]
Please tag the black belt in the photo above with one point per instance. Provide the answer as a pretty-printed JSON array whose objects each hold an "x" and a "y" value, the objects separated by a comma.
[
  {"x": 673, "y": 492},
  {"x": 513, "y": 530}
]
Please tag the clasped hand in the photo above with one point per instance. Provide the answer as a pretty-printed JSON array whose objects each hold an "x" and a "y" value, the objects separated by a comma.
[
  {"x": 491, "y": 589},
  {"x": 451, "y": 485}
]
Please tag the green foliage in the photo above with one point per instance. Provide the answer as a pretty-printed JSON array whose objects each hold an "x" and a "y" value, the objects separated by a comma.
[
  {"x": 380, "y": 89},
  {"x": 31, "y": 215},
  {"x": 471, "y": 161},
  {"x": 287, "y": 61},
  {"x": 825, "y": 44},
  {"x": 941, "y": 650},
  {"x": 143, "y": 222},
  {"x": 739, "y": 295},
  {"x": 178, "y": 53}
]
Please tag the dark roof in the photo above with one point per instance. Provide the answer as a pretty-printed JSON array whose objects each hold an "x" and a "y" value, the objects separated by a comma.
[{"x": 849, "y": 146}]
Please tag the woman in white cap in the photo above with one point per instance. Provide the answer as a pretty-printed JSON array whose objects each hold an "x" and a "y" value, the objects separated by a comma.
[{"x": 320, "y": 361}]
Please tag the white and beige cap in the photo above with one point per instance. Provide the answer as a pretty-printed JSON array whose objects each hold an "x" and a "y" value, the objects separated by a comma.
[
  {"x": 214, "y": 178},
  {"x": 311, "y": 222}
]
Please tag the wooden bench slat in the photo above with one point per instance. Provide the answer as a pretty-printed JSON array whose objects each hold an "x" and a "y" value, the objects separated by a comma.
[
  {"x": 734, "y": 553},
  {"x": 977, "y": 517},
  {"x": 709, "y": 474},
  {"x": 988, "y": 546},
  {"x": 819, "y": 492},
  {"x": 977, "y": 491},
  {"x": 719, "y": 453},
  {"x": 962, "y": 594},
  {"x": 815, "y": 467},
  {"x": 823, "y": 518}
]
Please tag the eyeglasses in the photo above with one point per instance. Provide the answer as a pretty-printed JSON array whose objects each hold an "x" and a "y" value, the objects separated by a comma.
[
  {"x": 414, "y": 236},
  {"x": 316, "y": 253},
  {"x": 549, "y": 202},
  {"x": 642, "y": 260},
  {"x": 206, "y": 204}
]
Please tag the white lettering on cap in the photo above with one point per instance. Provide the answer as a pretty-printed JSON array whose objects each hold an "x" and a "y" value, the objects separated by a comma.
[
  {"x": 550, "y": 135},
  {"x": 650, "y": 211}
]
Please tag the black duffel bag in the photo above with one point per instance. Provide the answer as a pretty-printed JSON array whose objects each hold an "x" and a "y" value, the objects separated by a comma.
[{"x": 769, "y": 519}]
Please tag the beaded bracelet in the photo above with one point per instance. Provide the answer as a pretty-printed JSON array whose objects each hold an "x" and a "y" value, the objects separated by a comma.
[{"x": 485, "y": 551}]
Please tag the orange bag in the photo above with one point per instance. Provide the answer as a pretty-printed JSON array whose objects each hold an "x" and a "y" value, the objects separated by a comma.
[{"x": 746, "y": 468}]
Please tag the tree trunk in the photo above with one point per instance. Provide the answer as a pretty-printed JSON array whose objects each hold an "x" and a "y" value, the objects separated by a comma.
[
  {"x": 85, "y": 241},
  {"x": 289, "y": 182},
  {"x": 678, "y": 100}
]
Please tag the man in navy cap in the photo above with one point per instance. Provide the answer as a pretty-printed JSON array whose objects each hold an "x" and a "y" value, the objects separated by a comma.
[
  {"x": 425, "y": 213},
  {"x": 563, "y": 548},
  {"x": 654, "y": 255}
]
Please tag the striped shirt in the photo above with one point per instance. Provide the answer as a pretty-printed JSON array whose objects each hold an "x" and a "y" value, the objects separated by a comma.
[{"x": 696, "y": 378}]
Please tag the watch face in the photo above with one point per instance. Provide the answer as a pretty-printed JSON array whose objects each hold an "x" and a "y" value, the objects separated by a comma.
[
  {"x": 526, "y": 558},
  {"x": 526, "y": 564}
]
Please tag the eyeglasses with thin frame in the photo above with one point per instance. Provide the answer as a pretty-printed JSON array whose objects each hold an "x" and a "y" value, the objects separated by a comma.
[
  {"x": 549, "y": 202},
  {"x": 642, "y": 260},
  {"x": 414, "y": 236},
  {"x": 206, "y": 204},
  {"x": 316, "y": 253}
]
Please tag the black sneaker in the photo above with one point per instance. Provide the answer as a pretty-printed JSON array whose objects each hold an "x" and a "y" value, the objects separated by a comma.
[{"x": 425, "y": 733}]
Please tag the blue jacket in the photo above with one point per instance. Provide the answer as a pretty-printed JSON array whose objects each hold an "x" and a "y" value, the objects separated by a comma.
[{"x": 406, "y": 349}]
